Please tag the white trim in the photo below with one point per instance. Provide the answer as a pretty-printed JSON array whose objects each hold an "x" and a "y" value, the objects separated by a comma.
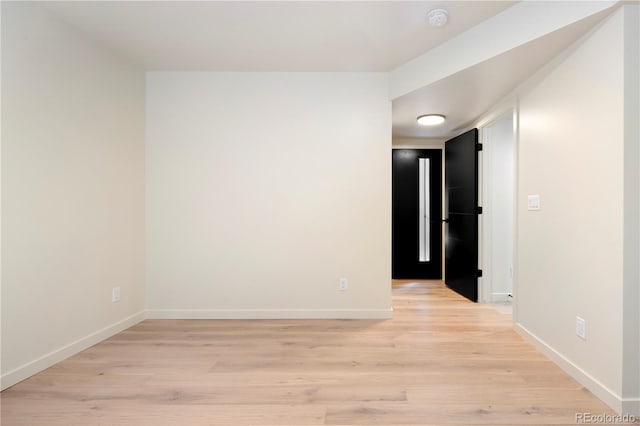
[
  {"x": 631, "y": 406},
  {"x": 33, "y": 367},
  {"x": 608, "y": 396},
  {"x": 500, "y": 298},
  {"x": 270, "y": 313},
  {"x": 631, "y": 211},
  {"x": 511, "y": 102},
  {"x": 516, "y": 218},
  {"x": 484, "y": 223},
  {"x": 485, "y": 199},
  {"x": 406, "y": 143},
  {"x": 0, "y": 202}
]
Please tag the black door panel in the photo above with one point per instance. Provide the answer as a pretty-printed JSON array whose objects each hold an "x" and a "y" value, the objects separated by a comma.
[
  {"x": 405, "y": 214},
  {"x": 461, "y": 195}
]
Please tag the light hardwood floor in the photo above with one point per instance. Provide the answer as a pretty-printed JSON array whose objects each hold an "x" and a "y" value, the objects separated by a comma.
[{"x": 441, "y": 360}]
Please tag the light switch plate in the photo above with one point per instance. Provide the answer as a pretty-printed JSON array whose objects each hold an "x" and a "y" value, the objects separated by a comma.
[
  {"x": 581, "y": 328},
  {"x": 344, "y": 284},
  {"x": 533, "y": 202}
]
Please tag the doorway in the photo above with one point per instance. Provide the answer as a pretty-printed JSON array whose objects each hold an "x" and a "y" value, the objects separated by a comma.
[
  {"x": 498, "y": 191},
  {"x": 416, "y": 214},
  {"x": 488, "y": 169}
]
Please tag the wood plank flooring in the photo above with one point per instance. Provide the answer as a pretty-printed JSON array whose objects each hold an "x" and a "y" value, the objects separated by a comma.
[{"x": 441, "y": 360}]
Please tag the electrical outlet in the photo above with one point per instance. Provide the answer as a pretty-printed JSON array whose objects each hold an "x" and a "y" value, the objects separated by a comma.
[
  {"x": 581, "y": 328},
  {"x": 115, "y": 294},
  {"x": 344, "y": 284}
]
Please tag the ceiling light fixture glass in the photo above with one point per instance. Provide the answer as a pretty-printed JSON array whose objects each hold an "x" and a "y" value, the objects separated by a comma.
[{"x": 431, "y": 119}]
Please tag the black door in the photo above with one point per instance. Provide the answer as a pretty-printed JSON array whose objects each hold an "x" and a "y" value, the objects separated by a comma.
[
  {"x": 461, "y": 213},
  {"x": 416, "y": 214}
]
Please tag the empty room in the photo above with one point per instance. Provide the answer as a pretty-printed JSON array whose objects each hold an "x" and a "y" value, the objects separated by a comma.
[{"x": 319, "y": 212}]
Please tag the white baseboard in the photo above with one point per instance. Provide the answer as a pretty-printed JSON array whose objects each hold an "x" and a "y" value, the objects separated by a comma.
[
  {"x": 270, "y": 313},
  {"x": 501, "y": 298},
  {"x": 631, "y": 406},
  {"x": 609, "y": 397},
  {"x": 29, "y": 369}
]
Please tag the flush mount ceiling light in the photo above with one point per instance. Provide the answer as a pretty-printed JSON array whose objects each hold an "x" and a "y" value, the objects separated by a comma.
[
  {"x": 438, "y": 17},
  {"x": 431, "y": 119}
]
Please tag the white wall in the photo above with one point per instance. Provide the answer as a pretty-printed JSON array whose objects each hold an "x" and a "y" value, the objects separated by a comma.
[
  {"x": 631, "y": 292},
  {"x": 569, "y": 254},
  {"x": 72, "y": 191},
  {"x": 0, "y": 197},
  {"x": 498, "y": 157},
  {"x": 263, "y": 189},
  {"x": 418, "y": 143}
]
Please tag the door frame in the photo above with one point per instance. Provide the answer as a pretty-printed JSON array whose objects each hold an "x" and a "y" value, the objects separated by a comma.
[
  {"x": 510, "y": 107},
  {"x": 487, "y": 222},
  {"x": 415, "y": 143},
  {"x": 435, "y": 145}
]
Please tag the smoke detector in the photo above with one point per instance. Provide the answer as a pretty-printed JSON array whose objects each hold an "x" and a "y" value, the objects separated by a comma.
[{"x": 438, "y": 17}]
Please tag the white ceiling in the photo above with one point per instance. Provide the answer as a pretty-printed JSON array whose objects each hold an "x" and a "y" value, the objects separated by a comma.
[
  {"x": 271, "y": 35},
  {"x": 319, "y": 36},
  {"x": 466, "y": 95}
]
